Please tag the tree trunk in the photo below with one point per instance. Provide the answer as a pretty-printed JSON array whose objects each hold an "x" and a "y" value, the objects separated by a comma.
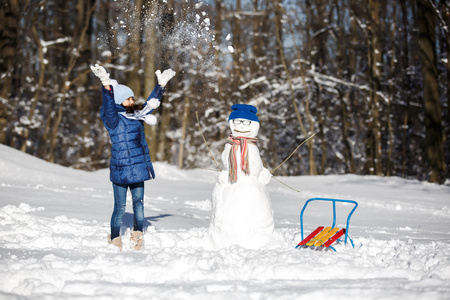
[
  {"x": 184, "y": 125},
  {"x": 346, "y": 107},
  {"x": 392, "y": 90},
  {"x": 79, "y": 42},
  {"x": 237, "y": 74},
  {"x": 9, "y": 38},
  {"x": 374, "y": 157},
  {"x": 406, "y": 94},
  {"x": 344, "y": 63},
  {"x": 134, "y": 46},
  {"x": 446, "y": 8},
  {"x": 42, "y": 67},
  {"x": 149, "y": 51},
  {"x": 280, "y": 50},
  {"x": 223, "y": 101},
  {"x": 257, "y": 45},
  {"x": 167, "y": 25},
  {"x": 433, "y": 127}
]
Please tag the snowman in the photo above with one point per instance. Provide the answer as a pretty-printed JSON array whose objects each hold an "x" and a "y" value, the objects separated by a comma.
[{"x": 242, "y": 212}]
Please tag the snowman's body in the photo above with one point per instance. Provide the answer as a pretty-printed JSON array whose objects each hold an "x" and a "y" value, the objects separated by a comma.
[{"x": 242, "y": 211}]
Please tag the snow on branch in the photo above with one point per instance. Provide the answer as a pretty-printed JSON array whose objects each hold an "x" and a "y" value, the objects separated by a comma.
[
  {"x": 238, "y": 14},
  {"x": 46, "y": 44},
  {"x": 332, "y": 81},
  {"x": 252, "y": 82},
  {"x": 322, "y": 30},
  {"x": 439, "y": 16}
]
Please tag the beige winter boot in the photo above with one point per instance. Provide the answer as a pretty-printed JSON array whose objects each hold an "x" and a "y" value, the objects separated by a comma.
[
  {"x": 116, "y": 242},
  {"x": 137, "y": 240}
]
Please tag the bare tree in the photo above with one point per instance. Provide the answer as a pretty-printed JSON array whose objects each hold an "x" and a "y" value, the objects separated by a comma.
[
  {"x": 350, "y": 70},
  {"x": 166, "y": 26},
  {"x": 150, "y": 47},
  {"x": 9, "y": 24},
  {"x": 374, "y": 157},
  {"x": 427, "y": 42},
  {"x": 79, "y": 42},
  {"x": 278, "y": 16}
]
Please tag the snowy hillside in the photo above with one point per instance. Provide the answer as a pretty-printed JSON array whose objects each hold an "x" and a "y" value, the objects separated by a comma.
[{"x": 54, "y": 223}]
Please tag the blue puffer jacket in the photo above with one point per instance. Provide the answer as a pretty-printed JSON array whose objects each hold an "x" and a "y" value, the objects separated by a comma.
[{"x": 130, "y": 158}]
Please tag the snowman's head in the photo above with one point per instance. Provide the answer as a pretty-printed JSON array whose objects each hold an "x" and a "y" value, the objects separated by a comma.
[
  {"x": 244, "y": 128},
  {"x": 243, "y": 121}
]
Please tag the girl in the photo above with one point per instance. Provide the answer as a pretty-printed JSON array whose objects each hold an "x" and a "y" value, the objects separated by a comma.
[{"x": 130, "y": 162}]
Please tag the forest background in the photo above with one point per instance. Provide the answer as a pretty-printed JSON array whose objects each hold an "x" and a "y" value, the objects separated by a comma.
[{"x": 370, "y": 79}]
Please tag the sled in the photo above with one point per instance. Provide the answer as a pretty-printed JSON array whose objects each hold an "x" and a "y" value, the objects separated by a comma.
[{"x": 322, "y": 238}]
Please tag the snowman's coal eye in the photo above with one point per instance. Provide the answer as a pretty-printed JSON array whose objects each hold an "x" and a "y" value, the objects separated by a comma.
[{"x": 245, "y": 122}]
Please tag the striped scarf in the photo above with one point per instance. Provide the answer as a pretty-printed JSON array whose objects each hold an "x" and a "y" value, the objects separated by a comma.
[{"x": 235, "y": 143}]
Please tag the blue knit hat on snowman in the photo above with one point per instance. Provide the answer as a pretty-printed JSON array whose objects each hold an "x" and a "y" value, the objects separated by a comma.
[
  {"x": 122, "y": 93},
  {"x": 243, "y": 111}
]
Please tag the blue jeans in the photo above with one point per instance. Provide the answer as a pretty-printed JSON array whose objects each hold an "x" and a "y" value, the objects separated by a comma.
[{"x": 120, "y": 201}]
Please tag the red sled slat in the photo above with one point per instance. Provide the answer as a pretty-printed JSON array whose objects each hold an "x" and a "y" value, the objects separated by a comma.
[
  {"x": 309, "y": 237},
  {"x": 334, "y": 238}
]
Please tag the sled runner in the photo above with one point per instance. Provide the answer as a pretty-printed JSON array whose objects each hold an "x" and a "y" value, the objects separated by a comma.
[{"x": 323, "y": 237}]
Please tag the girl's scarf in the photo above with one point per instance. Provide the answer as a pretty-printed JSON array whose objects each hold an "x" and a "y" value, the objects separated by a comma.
[
  {"x": 242, "y": 143},
  {"x": 145, "y": 113}
]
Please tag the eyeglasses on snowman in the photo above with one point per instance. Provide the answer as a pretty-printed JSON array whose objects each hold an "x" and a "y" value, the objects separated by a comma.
[{"x": 245, "y": 122}]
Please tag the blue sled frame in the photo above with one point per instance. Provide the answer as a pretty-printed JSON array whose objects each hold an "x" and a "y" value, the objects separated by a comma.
[{"x": 334, "y": 216}]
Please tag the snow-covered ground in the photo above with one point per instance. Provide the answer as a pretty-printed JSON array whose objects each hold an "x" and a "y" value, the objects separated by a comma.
[{"x": 54, "y": 223}]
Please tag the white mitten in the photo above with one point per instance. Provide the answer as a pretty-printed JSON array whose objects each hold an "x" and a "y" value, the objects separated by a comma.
[
  {"x": 165, "y": 76},
  {"x": 101, "y": 73},
  {"x": 150, "y": 119},
  {"x": 265, "y": 176},
  {"x": 223, "y": 177},
  {"x": 114, "y": 83},
  {"x": 153, "y": 103}
]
